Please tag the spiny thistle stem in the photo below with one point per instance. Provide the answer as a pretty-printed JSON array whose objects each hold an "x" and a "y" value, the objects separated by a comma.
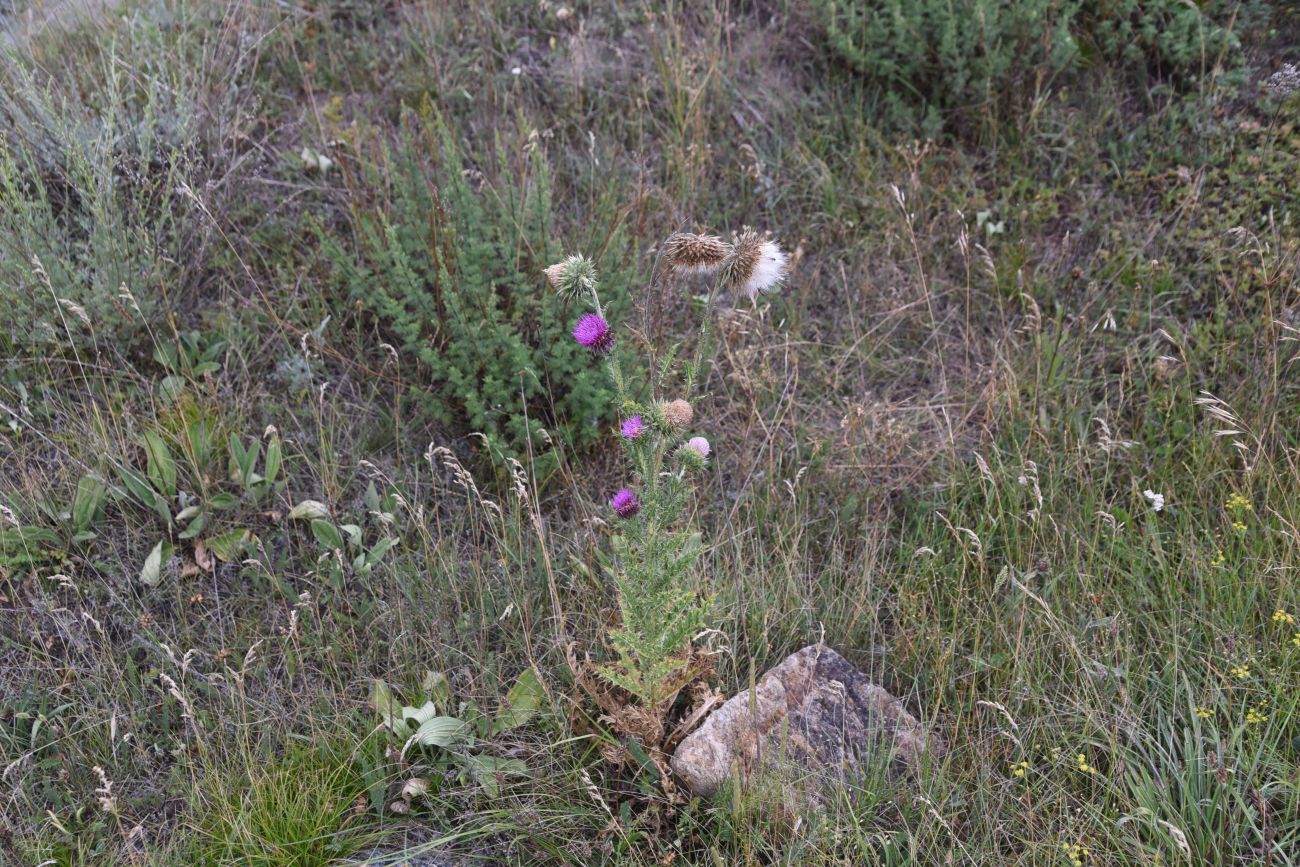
[{"x": 660, "y": 613}]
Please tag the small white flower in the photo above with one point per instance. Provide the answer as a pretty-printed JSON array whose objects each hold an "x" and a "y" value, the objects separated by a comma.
[{"x": 1157, "y": 500}]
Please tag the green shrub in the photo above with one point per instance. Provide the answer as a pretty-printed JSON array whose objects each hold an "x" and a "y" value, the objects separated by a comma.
[
  {"x": 1170, "y": 37},
  {"x": 93, "y": 233},
  {"x": 450, "y": 265},
  {"x": 934, "y": 57},
  {"x": 936, "y": 62}
]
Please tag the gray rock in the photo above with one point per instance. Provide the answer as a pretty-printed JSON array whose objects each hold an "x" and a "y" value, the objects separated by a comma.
[{"x": 811, "y": 718}]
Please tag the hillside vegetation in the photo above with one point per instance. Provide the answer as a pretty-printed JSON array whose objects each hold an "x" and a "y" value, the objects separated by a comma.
[{"x": 294, "y": 435}]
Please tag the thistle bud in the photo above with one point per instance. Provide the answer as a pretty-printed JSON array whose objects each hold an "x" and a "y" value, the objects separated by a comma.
[
  {"x": 575, "y": 277},
  {"x": 694, "y": 453}
]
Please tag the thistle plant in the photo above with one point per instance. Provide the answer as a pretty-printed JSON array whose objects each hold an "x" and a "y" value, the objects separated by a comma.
[{"x": 658, "y": 548}]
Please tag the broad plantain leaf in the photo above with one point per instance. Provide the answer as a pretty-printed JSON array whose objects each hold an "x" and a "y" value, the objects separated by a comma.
[
  {"x": 140, "y": 488},
  {"x": 229, "y": 545},
  {"x": 308, "y": 510},
  {"x": 160, "y": 464},
  {"x": 327, "y": 534},
  {"x": 386, "y": 705},
  {"x": 91, "y": 491},
  {"x": 151, "y": 572},
  {"x": 521, "y": 703},
  {"x": 274, "y": 457},
  {"x": 440, "y": 731}
]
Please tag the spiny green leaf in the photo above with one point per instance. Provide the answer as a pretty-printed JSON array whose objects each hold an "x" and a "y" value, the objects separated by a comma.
[{"x": 24, "y": 538}]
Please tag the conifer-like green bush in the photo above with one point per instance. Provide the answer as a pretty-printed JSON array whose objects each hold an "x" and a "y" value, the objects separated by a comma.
[
  {"x": 1168, "y": 37},
  {"x": 448, "y": 265},
  {"x": 934, "y": 61}
]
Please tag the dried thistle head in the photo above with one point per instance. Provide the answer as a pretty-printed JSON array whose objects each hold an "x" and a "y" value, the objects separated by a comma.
[
  {"x": 756, "y": 264},
  {"x": 575, "y": 277},
  {"x": 678, "y": 414},
  {"x": 685, "y": 251}
]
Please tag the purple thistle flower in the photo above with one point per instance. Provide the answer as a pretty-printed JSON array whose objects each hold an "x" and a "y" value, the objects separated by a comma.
[
  {"x": 633, "y": 427},
  {"x": 625, "y": 503},
  {"x": 593, "y": 332}
]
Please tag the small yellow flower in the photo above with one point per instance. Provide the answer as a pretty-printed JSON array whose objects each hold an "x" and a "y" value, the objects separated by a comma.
[
  {"x": 1074, "y": 853},
  {"x": 1084, "y": 766},
  {"x": 1204, "y": 712},
  {"x": 1239, "y": 526},
  {"x": 1255, "y": 716},
  {"x": 1296, "y": 640},
  {"x": 1239, "y": 504},
  {"x": 1241, "y": 672},
  {"x": 1219, "y": 559},
  {"x": 1019, "y": 769},
  {"x": 1280, "y": 616}
]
